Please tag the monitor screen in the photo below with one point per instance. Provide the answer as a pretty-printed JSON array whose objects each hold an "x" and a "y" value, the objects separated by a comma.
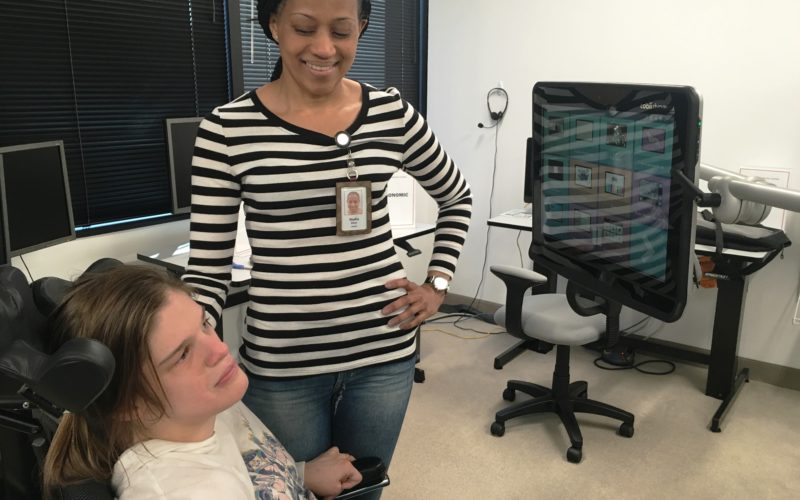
[
  {"x": 181, "y": 134},
  {"x": 37, "y": 208},
  {"x": 612, "y": 214}
]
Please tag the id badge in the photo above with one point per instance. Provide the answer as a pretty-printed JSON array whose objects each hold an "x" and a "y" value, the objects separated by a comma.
[{"x": 353, "y": 207}]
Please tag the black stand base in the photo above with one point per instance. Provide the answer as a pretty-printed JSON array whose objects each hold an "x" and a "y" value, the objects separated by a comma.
[
  {"x": 619, "y": 355},
  {"x": 743, "y": 376},
  {"x": 565, "y": 398},
  {"x": 515, "y": 350}
]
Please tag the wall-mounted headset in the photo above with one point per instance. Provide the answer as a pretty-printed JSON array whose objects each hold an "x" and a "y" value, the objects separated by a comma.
[{"x": 496, "y": 103}]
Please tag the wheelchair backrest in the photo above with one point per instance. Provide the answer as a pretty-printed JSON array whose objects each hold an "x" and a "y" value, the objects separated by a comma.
[{"x": 33, "y": 381}]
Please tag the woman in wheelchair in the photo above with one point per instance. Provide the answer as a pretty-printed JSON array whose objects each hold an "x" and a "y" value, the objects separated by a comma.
[{"x": 171, "y": 425}]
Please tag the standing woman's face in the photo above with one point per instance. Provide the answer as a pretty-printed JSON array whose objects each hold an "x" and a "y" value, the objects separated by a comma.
[{"x": 318, "y": 40}]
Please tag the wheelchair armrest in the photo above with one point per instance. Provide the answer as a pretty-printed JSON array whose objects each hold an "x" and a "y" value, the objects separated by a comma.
[
  {"x": 87, "y": 490},
  {"x": 373, "y": 477},
  {"x": 517, "y": 280}
]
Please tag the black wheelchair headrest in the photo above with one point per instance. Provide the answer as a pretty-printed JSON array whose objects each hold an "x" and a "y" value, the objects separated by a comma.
[
  {"x": 48, "y": 293},
  {"x": 70, "y": 378},
  {"x": 103, "y": 264}
]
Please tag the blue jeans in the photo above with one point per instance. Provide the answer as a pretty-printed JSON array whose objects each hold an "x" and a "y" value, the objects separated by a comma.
[{"x": 361, "y": 411}]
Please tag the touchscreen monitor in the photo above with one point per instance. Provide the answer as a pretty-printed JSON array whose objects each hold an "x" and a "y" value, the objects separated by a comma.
[{"x": 611, "y": 211}]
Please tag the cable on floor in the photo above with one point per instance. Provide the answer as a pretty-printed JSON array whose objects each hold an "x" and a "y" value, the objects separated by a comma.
[{"x": 598, "y": 362}]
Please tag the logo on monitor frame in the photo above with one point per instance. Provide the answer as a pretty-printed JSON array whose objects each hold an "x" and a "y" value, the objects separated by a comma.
[{"x": 652, "y": 105}]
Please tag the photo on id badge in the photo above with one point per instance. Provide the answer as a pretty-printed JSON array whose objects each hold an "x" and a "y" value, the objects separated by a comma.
[{"x": 352, "y": 208}]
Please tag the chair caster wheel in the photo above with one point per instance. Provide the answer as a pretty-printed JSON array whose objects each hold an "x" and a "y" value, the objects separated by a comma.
[
  {"x": 574, "y": 455},
  {"x": 625, "y": 430},
  {"x": 509, "y": 394},
  {"x": 498, "y": 429}
]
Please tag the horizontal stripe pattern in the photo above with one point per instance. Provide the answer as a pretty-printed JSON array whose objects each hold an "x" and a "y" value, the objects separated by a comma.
[{"x": 315, "y": 297}]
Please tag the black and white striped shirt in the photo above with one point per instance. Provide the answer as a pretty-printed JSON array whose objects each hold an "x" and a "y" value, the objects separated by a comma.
[{"x": 315, "y": 297}]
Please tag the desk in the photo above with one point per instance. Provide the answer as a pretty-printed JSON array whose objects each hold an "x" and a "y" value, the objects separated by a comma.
[
  {"x": 722, "y": 382},
  {"x": 519, "y": 219}
]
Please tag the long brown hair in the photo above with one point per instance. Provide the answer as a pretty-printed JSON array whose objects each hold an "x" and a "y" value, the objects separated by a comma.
[{"x": 117, "y": 307}]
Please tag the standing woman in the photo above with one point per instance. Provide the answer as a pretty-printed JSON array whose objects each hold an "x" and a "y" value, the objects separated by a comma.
[{"x": 329, "y": 344}]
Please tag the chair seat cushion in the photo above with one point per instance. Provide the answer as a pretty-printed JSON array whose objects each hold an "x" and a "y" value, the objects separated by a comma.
[{"x": 550, "y": 318}]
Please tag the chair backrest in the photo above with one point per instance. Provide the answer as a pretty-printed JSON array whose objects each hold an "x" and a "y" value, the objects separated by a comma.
[
  {"x": 19, "y": 320},
  {"x": 70, "y": 378}
]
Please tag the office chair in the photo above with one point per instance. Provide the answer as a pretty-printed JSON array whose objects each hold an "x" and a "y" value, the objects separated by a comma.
[{"x": 552, "y": 318}]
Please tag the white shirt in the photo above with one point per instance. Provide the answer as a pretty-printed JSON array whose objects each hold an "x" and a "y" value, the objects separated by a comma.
[{"x": 242, "y": 460}]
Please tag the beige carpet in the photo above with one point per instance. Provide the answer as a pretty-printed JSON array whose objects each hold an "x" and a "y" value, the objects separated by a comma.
[{"x": 446, "y": 450}]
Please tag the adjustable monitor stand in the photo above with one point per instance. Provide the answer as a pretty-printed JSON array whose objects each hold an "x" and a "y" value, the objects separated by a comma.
[
  {"x": 722, "y": 382},
  {"x": 731, "y": 271}
]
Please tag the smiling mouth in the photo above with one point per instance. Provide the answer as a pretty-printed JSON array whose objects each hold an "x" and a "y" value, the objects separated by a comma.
[{"x": 321, "y": 68}]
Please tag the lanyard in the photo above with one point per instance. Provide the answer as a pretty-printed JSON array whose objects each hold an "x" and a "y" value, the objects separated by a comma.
[{"x": 343, "y": 141}]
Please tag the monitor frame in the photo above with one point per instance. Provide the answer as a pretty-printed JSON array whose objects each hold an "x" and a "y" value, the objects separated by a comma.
[
  {"x": 664, "y": 298},
  {"x": 173, "y": 181},
  {"x": 527, "y": 192},
  {"x": 6, "y": 229},
  {"x": 5, "y": 248}
]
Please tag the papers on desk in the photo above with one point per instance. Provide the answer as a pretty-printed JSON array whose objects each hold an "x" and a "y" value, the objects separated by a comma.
[
  {"x": 519, "y": 212},
  {"x": 241, "y": 258},
  {"x": 179, "y": 250}
]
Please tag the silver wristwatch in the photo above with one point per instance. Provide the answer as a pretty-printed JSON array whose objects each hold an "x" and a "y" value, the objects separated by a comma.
[{"x": 438, "y": 283}]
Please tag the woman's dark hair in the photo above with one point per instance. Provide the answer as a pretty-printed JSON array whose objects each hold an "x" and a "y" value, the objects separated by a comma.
[{"x": 266, "y": 8}]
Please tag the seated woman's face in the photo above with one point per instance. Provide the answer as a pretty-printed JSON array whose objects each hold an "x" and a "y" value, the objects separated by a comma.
[{"x": 198, "y": 373}]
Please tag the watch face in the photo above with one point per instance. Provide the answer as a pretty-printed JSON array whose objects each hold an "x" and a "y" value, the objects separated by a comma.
[{"x": 440, "y": 284}]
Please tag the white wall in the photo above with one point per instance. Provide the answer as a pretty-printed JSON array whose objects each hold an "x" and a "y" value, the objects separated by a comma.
[{"x": 742, "y": 57}]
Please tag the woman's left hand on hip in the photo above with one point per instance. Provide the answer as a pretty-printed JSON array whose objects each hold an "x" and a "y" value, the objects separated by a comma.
[{"x": 420, "y": 303}]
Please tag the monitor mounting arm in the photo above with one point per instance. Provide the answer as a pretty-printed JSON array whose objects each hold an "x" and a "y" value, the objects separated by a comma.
[
  {"x": 701, "y": 198},
  {"x": 746, "y": 200}
]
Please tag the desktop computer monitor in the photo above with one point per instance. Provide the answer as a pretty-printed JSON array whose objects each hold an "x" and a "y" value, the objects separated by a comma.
[
  {"x": 613, "y": 211},
  {"x": 181, "y": 134},
  {"x": 527, "y": 190},
  {"x": 5, "y": 252},
  {"x": 34, "y": 187}
]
